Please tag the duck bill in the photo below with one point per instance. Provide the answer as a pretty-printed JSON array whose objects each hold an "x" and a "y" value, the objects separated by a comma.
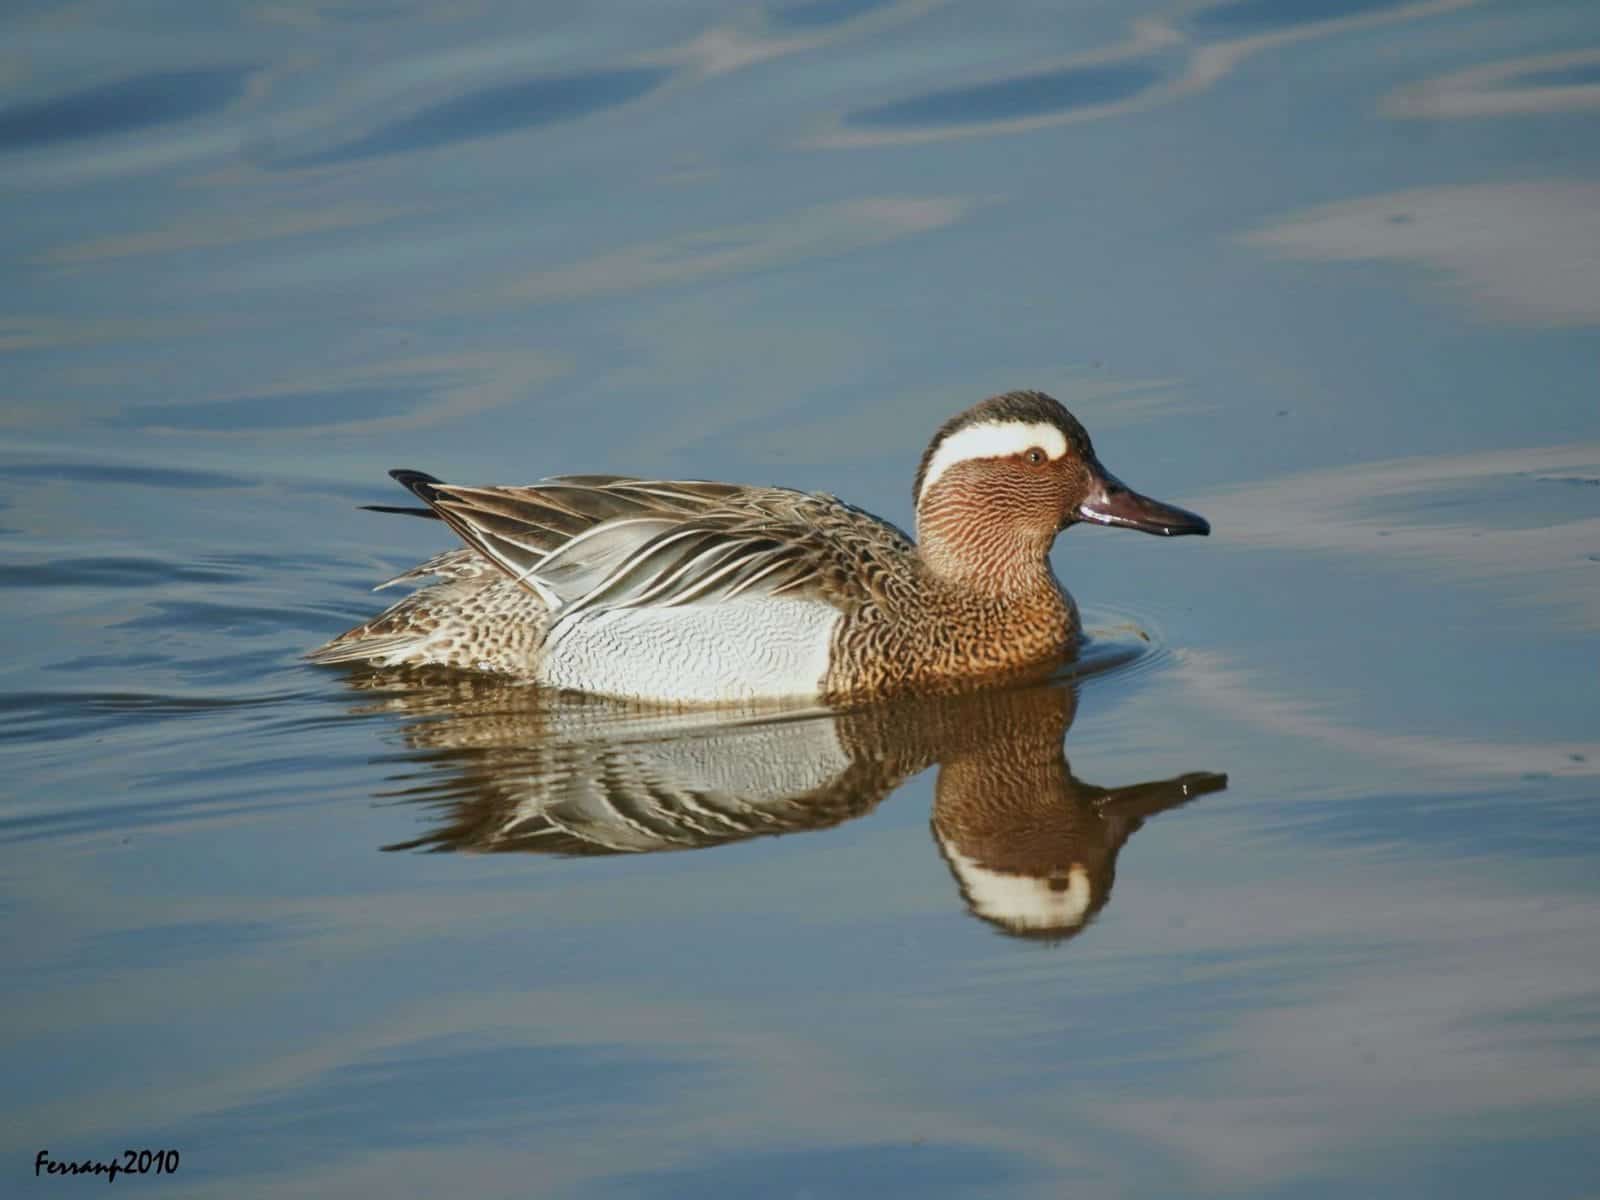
[{"x": 1112, "y": 502}]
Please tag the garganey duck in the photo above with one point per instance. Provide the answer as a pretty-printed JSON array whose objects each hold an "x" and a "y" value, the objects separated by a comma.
[{"x": 716, "y": 593}]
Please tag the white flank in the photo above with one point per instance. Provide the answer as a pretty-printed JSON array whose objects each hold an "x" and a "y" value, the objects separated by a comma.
[
  {"x": 993, "y": 439},
  {"x": 745, "y": 649}
]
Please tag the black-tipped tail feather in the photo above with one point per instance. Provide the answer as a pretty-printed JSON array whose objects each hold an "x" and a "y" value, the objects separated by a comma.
[
  {"x": 401, "y": 510},
  {"x": 420, "y": 484}
]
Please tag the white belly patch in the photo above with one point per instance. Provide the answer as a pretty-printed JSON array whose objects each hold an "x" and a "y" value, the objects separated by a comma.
[{"x": 744, "y": 649}]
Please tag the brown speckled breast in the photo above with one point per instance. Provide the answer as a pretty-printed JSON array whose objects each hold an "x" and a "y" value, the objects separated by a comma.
[{"x": 936, "y": 637}]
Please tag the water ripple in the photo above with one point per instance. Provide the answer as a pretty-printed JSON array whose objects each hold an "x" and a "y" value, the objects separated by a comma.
[
  {"x": 303, "y": 410},
  {"x": 486, "y": 112},
  {"x": 141, "y": 476},
  {"x": 1025, "y": 96},
  {"x": 160, "y": 98},
  {"x": 35, "y": 717},
  {"x": 1525, "y": 86},
  {"x": 107, "y": 572},
  {"x": 812, "y": 14},
  {"x": 1259, "y": 16}
]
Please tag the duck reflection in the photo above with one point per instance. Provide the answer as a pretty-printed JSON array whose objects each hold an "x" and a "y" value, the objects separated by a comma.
[{"x": 1032, "y": 848}]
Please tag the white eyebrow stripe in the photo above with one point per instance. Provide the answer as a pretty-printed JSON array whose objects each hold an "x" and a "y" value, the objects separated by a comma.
[{"x": 993, "y": 439}]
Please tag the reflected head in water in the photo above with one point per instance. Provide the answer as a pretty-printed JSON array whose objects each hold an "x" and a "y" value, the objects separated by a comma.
[
  {"x": 1032, "y": 847},
  {"x": 508, "y": 768},
  {"x": 691, "y": 592}
]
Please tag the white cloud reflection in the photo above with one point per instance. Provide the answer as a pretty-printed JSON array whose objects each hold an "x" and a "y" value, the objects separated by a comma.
[
  {"x": 827, "y": 230},
  {"x": 726, "y": 48},
  {"x": 1515, "y": 87},
  {"x": 1461, "y": 1000},
  {"x": 1206, "y": 62},
  {"x": 201, "y": 232},
  {"x": 1546, "y": 561},
  {"x": 1525, "y": 252},
  {"x": 1235, "y": 693},
  {"x": 26, "y": 331},
  {"x": 427, "y": 391}
]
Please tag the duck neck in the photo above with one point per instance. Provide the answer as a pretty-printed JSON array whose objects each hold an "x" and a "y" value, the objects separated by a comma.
[{"x": 977, "y": 553}]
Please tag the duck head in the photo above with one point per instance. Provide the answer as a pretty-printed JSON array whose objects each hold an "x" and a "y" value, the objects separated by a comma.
[{"x": 1002, "y": 479}]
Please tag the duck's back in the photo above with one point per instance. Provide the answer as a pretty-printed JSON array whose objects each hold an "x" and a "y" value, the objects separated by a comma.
[{"x": 681, "y": 592}]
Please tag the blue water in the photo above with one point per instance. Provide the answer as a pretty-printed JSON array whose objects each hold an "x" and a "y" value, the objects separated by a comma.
[{"x": 1303, "y": 901}]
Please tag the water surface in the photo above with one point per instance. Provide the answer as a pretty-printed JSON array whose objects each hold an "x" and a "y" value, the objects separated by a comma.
[{"x": 1291, "y": 893}]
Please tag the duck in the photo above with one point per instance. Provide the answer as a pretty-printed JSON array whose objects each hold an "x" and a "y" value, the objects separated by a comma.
[{"x": 690, "y": 592}]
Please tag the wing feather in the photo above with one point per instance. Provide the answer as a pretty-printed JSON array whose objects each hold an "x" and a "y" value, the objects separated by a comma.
[{"x": 592, "y": 543}]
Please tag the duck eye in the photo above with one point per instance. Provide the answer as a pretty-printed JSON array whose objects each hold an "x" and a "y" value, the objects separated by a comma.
[{"x": 1036, "y": 456}]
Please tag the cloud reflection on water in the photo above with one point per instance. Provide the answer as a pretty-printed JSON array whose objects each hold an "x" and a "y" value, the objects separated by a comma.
[
  {"x": 223, "y": 231},
  {"x": 1526, "y": 252},
  {"x": 789, "y": 29},
  {"x": 1234, "y": 692},
  {"x": 1544, "y": 83},
  {"x": 1544, "y": 556},
  {"x": 829, "y": 229},
  {"x": 1459, "y": 998},
  {"x": 383, "y": 396},
  {"x": 1138, "y": 73}
]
